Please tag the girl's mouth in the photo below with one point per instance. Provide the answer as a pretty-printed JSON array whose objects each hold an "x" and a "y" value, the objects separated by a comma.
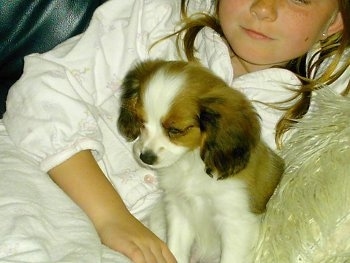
[{"x": 255, "y": 34}]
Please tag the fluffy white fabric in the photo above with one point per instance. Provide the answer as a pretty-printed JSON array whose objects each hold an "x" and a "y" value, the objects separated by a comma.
[{"x": 308, "y": 218}]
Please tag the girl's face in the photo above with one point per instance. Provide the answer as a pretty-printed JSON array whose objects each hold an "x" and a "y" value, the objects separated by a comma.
[{"x": 264, "y": 33}]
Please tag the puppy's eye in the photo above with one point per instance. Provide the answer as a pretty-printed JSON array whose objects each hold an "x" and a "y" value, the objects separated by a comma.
[{"x": 174, "y": 132}]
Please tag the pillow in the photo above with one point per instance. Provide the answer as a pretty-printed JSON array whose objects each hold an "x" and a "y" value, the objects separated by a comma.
[{"x": 308, "y": 217}]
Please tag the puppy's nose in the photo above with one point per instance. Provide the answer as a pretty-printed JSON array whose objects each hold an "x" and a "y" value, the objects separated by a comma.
[{"x": 148, "y": 157}]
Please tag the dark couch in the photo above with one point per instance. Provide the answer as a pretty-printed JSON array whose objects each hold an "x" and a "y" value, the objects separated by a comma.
[{"x": 30, "y": 26}]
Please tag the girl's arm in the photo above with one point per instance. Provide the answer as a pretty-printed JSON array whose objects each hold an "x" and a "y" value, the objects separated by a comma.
[{"x": 83, "y": 180}]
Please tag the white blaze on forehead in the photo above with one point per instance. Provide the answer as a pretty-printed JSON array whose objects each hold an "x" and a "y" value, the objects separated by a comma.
[{"x": 160, "y": 93}]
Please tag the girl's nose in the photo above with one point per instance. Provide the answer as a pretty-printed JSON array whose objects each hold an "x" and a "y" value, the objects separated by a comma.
[{"x": 265, "y": 9}]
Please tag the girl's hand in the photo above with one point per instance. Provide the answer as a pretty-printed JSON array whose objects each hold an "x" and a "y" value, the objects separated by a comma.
[
  {"x": 83, "y": 180},
  {"x": 131, "y": 238}
]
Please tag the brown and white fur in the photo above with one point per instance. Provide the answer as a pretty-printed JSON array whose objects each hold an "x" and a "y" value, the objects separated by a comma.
[{"x": 203, "y": 139}]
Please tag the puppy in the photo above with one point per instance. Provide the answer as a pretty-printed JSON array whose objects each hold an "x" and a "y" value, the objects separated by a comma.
[{"x": 203, "y": 139}]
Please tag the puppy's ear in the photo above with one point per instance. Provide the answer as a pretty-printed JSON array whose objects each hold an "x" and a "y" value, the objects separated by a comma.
[
  {"x": 130, "y": 119},
  {"x": 231, "y": 130},
  {"x": 129, "y": 123}
]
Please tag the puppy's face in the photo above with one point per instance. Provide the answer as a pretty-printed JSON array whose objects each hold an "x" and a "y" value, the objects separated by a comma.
[
  {"x": 170, "y": 108},
  {"x": 162, "y": 116},
  {"x": 162, "y": 141}
]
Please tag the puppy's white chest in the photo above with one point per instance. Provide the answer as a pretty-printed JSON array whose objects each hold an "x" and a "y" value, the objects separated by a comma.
[{"x": 204, "y": 213}]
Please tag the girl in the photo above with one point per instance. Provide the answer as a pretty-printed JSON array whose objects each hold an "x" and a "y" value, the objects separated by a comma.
[{"x": 63, "y": 110}]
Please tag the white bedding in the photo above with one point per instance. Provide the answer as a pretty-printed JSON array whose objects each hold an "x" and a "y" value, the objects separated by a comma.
[{"x": 38, "y": 222}]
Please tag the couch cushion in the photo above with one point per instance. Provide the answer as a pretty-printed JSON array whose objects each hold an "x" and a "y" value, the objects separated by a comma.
[{"x": 36, "y": 26}]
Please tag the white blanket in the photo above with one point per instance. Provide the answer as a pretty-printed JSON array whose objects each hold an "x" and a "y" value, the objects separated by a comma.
[{"x": 38, "y": 222}]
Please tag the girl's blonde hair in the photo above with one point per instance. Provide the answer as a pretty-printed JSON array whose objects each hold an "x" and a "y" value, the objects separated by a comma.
[{"x": 333, "y": 47}]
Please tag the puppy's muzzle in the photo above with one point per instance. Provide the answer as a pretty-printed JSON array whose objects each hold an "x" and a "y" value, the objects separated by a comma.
[{"x": 148, "y": 157}]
